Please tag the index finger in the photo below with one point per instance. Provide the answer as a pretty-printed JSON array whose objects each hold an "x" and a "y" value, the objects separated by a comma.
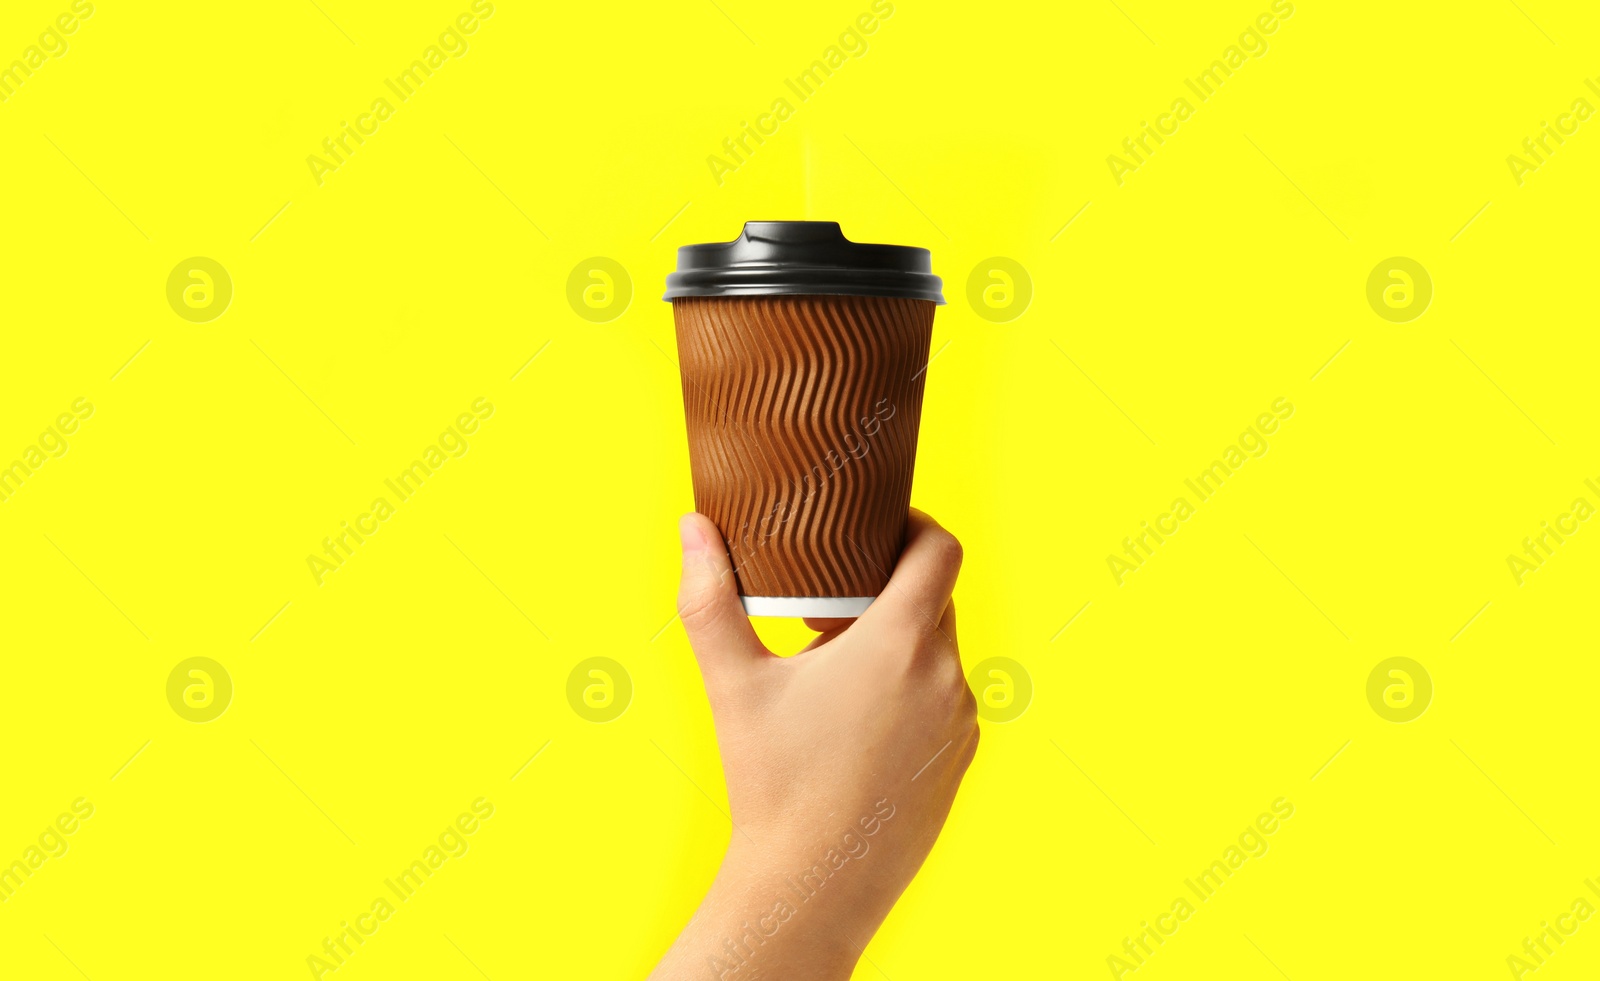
[{"x": 923, "y": 579}]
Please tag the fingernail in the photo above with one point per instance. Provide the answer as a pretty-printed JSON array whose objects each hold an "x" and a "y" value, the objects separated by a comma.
[{"x": 689, "y": 532}]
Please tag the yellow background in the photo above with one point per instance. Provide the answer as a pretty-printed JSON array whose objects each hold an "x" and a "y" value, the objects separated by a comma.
[{"x": 428, "y": 269}]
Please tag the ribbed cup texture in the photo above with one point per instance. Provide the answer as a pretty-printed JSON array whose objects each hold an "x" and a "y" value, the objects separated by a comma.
[{"x": 802, "y": 414}]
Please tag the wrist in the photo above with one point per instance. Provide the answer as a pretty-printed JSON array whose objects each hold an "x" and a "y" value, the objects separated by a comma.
[{"x": 759, "y": 918}]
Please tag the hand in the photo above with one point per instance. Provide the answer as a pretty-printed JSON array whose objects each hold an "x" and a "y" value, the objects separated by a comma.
[{"x": 841, "y": 762}]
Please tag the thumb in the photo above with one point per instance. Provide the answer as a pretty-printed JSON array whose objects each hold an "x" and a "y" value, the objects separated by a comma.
[{"x": 708, "y": 601}]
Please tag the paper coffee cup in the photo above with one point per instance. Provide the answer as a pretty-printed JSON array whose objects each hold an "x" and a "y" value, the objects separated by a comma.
[{"x": 803, "y": 357}]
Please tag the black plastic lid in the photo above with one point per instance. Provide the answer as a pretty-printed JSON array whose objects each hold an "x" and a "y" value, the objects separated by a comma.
[{"x": 776, "y": 257}]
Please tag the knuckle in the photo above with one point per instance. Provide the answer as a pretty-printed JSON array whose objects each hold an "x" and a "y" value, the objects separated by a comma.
[
  {"x": 948, "y": 548},
  {"x": 969, "y": 702},
  {"x": 953, "y": 695},
  {"x": 972, "y": 748},
  {"x": 697, "y": 605},
  {"x": 953, "y": 678}
]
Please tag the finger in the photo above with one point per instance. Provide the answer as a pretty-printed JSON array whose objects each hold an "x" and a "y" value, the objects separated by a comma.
[
  {"x": 825, "y": 637},
  {"x": 923, "y": 579},
  {"x": 947, "y": 627},
  {"x": 940, "y": 640},
  {"x": 708, "y": 601},
  {"x": 824, "y": 625}
]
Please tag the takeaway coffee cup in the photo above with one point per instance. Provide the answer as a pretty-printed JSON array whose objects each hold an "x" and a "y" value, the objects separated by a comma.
[{"x": 803, "y": 357}]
